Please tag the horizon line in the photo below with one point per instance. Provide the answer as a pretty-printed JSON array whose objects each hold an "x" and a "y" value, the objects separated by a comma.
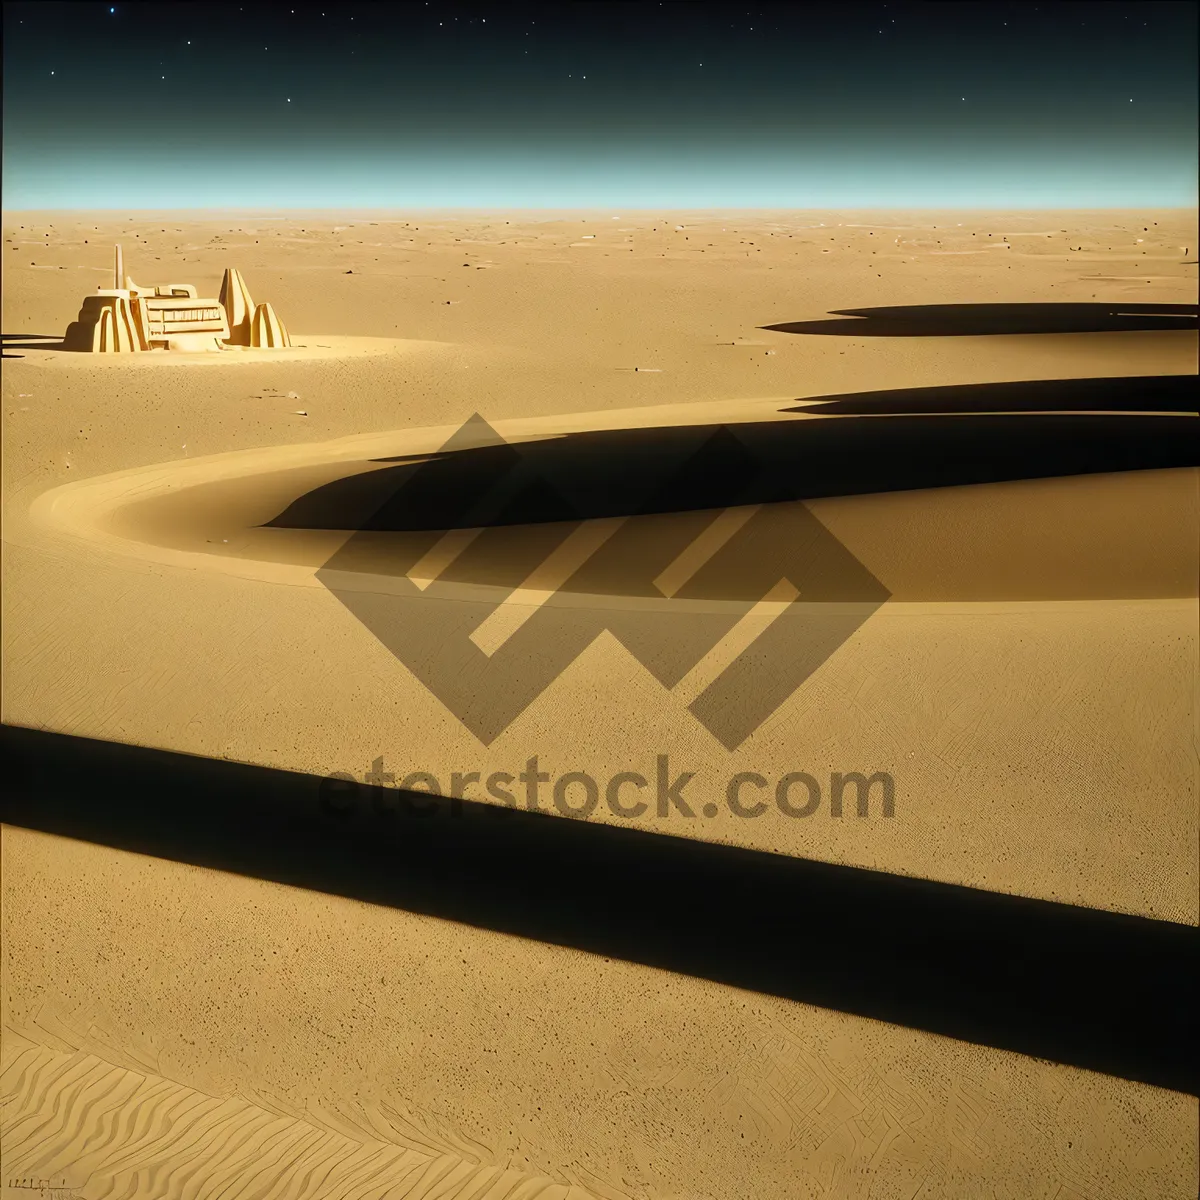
[{"x": 608, "y": 209}]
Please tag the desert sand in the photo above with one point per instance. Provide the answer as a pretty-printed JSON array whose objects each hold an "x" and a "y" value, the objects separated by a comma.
[{"x": 1030, "y": 685}]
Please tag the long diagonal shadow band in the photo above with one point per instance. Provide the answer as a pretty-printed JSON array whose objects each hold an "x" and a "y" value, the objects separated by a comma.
[
  {"x": 983, "y": 320},
  {"x": 1080, "y": 986}
]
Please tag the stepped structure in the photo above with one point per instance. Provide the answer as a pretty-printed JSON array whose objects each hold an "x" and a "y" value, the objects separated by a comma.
[{"x": 130, "y": 317}]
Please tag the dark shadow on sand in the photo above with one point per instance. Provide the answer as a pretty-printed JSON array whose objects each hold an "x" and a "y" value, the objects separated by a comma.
[
  {"x": 30, "y": 341},
  {"x": 978, "y": 320},
  {"x": 1119, "y": 395},
  {"x": 916, "y": 438},
  {"x": 1086, "y": 987}
]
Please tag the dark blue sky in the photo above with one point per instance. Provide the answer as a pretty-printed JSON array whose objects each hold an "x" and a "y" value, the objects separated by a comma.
[{"x": 599, "y": 105}]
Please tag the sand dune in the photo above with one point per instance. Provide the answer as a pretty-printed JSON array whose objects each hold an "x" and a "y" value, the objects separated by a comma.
[
  {"x": 1091, "y": 537},
  {"x": 86, "y": 1127},
  {"x": 913, "y": 499},
  {"x": 1000, "y": 439}
]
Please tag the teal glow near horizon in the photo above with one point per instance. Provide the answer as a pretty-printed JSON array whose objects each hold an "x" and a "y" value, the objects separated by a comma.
[
  {"x": 598, "y": 105},
  {"x": 35, "y": 178}
]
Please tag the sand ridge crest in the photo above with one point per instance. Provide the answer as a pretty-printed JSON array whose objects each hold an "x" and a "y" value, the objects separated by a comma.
[{"x": 91, "y": 1129}]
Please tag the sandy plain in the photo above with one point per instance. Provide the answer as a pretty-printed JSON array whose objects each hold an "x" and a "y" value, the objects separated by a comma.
[{"x": 1030, "y": 683}]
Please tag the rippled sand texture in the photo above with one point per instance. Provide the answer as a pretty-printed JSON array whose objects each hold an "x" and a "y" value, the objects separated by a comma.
[{"x": 972, "y": 404}]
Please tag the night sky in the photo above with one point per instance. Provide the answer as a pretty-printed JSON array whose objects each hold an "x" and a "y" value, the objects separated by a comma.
[{"x": 597, "y": 105}]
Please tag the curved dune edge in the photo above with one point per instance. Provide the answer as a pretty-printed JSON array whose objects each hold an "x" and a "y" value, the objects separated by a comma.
[
  {"x": 90, "y": 514},
  {"x": 89, "y": 1126},
  {"x": 83, "y": 511},
  {"x": 304, "y": 348}
]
